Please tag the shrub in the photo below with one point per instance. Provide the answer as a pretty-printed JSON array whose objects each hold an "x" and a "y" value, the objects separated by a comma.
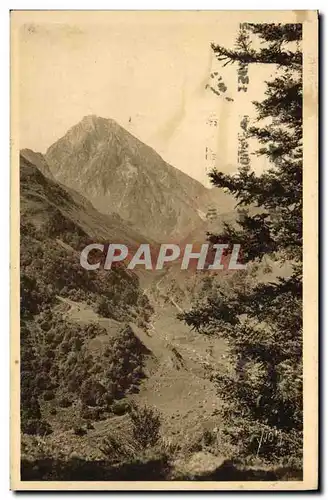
[
  {"x": 65, "y": 402},
  {"x": 92, "y": 392},
  {"x": 79, "y": 431},
  {"x": 104, "y": 308},
  {"x": 134, "y": 389},
  {"x": 48, "y": 395},
  {"x": 36, "y": 426},
  {"x": 118, "y": 449},
  {"x": 146, "y": 425},
  {"x": 90, "y": 413},
  {"x": 120, "y": 407}
]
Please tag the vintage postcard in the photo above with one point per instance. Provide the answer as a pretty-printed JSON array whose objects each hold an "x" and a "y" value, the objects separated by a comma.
[{"x": 164, "y": 240}]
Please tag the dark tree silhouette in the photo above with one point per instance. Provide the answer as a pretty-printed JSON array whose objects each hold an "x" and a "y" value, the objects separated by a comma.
[{"x": 262, "y": 323}]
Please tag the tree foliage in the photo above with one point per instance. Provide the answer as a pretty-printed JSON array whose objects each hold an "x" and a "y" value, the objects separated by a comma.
[{"x": 262, "y": 322}]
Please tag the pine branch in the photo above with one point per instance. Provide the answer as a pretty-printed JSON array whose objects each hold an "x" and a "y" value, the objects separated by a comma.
[
  {"x": 263, "y": 56},
  {"x": 282, "y": 33}
]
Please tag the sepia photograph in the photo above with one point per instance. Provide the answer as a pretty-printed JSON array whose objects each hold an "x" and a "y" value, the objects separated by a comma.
[{"x": 164, "y": 192}]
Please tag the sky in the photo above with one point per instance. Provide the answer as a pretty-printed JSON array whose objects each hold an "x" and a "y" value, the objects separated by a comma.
[{"x": 147, "y": 73}]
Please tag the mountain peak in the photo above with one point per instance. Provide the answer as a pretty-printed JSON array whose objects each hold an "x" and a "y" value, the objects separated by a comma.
[
  {"x": 95, "y": 125},
  {"x": 89, "y": 119},
  {"x": 119, "y": 173},
  {"x": 94, "y": 120}
]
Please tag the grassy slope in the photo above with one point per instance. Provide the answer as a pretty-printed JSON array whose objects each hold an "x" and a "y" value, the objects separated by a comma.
[{"x": 179, "y": 364}]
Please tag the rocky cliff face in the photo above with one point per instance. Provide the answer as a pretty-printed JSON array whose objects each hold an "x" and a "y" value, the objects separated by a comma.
[{"x": 118, "y": 173}]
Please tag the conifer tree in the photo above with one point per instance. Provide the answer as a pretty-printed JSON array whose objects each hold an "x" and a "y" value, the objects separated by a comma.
[{"x": 262, "y": 323}]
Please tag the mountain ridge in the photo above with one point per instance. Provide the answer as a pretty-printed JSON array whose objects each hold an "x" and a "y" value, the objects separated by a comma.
[
  {"x": 119, "y": 173},
  {"x": 42, "y": 196}
]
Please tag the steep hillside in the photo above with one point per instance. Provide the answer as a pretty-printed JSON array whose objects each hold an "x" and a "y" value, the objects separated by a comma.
[
  {"x": 43, "y": 199},
  {"x": 79, "y": 368},
  {"x": 54, "y": 227},
  {"x": 119, "y": 173},
  {"x": 38, "y": 160}
]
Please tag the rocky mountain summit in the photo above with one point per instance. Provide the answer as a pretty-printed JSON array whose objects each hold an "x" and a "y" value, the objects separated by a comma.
[{"x": 119, "y": 173}]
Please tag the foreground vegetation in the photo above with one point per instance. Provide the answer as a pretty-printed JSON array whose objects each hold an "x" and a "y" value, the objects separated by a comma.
[
  {"x": 262, "y": 323},
  {"x": 57, "y": 366}
]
